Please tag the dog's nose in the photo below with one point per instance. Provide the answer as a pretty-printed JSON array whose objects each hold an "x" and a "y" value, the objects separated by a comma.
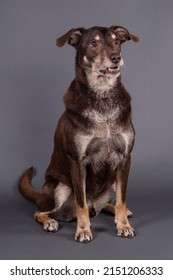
[{"x": 115, "y": 57}]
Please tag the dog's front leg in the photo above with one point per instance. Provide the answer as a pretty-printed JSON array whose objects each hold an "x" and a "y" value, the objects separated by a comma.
[
  {"x": 124, "y": 228},
  {"x": 78, "y": 175}
]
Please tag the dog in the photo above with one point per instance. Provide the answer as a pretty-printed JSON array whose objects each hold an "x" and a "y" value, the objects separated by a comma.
[{"x": 90, "y": 163}]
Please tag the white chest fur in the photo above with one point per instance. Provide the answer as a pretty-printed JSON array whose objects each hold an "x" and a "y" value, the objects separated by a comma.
[
  {"x": 104, "y": 128},
  {"x": 103, "y": 121},
  {"x": 102, "y": 118}
]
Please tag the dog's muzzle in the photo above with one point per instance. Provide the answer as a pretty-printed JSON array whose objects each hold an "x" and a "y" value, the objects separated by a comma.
[{"x": 110, "y": 70}]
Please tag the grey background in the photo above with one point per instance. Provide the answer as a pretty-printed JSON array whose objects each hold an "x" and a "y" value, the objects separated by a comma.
[{"x": 34, "y": 75}]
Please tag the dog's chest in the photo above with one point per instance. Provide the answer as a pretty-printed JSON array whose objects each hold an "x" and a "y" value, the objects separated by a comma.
[
  {"x": 103, "y": 122},
  {"x": 104, "y": 134},
  {"x": 107, "y": 116}
]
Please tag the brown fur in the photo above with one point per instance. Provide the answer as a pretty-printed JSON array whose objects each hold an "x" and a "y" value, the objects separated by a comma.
[{"x": 93, "y": 139}]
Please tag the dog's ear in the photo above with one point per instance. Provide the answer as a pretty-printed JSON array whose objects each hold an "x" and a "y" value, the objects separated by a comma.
[
  {"x": 72, "y": 37},
  {"x": 124, "y": 34}
]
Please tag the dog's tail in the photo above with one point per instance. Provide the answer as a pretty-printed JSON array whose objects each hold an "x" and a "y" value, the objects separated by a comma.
[{"x": 26, "y": 188}]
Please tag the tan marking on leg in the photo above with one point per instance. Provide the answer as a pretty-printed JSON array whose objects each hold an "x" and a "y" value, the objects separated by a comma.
[
  {"x": 48, "y": 223},
  {"x": 78, "y": 173},
  {"x": 124, "y": 228},
  {"x": 129, "y": 213},
  {"x": 83, "y": 232},
  {"x": 110, "y": 208}
]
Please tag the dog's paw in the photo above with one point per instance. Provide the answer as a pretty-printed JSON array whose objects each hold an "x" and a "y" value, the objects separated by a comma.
[
  {"x": 83, "y": 235},
  {"x": 129, "y": 213},
  {"x": 50, "y": 225},
  {"x": 125, "y": 231}
]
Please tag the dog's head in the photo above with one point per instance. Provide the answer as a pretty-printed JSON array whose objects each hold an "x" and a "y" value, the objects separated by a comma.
[{"x": 98, "y": 53}]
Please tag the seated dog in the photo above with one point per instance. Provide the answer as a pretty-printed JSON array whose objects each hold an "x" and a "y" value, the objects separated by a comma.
[{"x": 90, "y": 163}]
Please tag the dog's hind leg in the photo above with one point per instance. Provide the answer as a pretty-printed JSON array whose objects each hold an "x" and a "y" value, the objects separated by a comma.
[
  {"x": 45, "y": 200},
  {"x": 56, "y": 194},
  {"x": 48, "y": 223},
  {"x": 110, "y": 208}
]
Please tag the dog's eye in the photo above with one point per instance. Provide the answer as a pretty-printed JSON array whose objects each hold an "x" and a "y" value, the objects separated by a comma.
[
  {"x": 117, "y": 42},
  {"x": 93, "y": 43}
]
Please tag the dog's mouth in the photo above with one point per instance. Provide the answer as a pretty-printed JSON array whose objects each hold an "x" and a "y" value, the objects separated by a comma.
[{"x": 110, "y": 70}]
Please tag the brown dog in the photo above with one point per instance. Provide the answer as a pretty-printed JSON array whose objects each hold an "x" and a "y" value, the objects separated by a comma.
[{"x": 90, "y": 163}]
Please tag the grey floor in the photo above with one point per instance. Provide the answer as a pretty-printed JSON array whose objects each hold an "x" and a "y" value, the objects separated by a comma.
[{"x": 22, "y": 238}]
